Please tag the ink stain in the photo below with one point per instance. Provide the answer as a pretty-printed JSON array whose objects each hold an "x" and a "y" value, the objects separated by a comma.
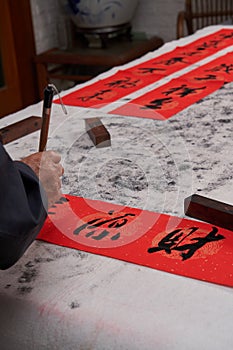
[
  {"x": 226, "y": 121},
  {"x": 42, "y": 260},
  {"x": 24, "y": 290},
  {"x": 28, "y": 276},
  {"x": 29, "y": 264},
  {"x": 74, "y": 305},
  {"x": 172, "y": 183}
]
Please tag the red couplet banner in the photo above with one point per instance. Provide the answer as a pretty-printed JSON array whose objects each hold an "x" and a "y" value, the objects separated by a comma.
[
  {"x": 124, "y": 82},
  {"x": 171, "y": 98},
  {"x": 180, "y": 246}
]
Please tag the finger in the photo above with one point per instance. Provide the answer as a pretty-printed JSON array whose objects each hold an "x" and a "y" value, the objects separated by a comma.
[
  {"x": 57, "y": 169},
  {"x": 53, "y": 197},
  {"x": 54, "y": 186},
  {"x": 55, "y": 156},
  {"x": 60, "y": 169},
  {"x": 50, "y": 155}
]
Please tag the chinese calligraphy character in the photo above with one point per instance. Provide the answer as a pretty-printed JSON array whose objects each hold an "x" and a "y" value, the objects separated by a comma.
[
  {"x": 157, "y": 103},
  {"x": 202, "y": 47},
  {"x": 175, "y": 240},
  {"x": 184, "y": 90},
  {"x": 227, "y": 36},
  {"x": 214, "y": 43},
  {"x": 191, "y": 53},
  {"x": 97, "y": 95},
  {"x": 207, "y": 77},
  {"x": 61, "y": 200},
  {"x": 173, "y": 60},
  {"x": 123, "y": 83},
  {"x": 211, "y": 44},
  {"x": 93, "y": 225},
  {"x": 222, "y": 67},
  {"x": 150, "y": 70}
]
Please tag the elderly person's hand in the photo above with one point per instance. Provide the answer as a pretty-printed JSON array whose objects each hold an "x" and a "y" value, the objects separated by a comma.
[{"x": 47, "y": 167}]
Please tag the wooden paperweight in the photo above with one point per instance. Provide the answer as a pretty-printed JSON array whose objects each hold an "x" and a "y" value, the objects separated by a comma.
[
  {"x": 19, "y": 129},
  {"x": 97, "y": 132},
  {"x": 209, "y": 210}
]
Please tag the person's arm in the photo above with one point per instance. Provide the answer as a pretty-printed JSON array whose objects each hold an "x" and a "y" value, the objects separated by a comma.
[{"x": 23, "y": 205}]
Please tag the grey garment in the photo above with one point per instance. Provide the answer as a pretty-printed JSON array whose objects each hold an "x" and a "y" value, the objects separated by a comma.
[{"x": 22, "y": 208}]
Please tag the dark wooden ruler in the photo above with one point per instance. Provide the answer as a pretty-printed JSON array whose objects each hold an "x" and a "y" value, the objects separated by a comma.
[{"x": 19, "y": 129}]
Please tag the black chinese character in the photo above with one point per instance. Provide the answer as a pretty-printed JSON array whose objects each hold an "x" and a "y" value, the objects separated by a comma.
[
  {"x": 207, "y": 77},
  {"x": 158, "y": 103},
  {"x": 227, "y": 36},
  {"x": 93, "y": 225},
  {"x": 211, "y": 44},
  {"x": 98, "y": 95},
  {"x": 61, "y": 200},
  {"x": 172, "y": 241},
  {"x": 191, "y": 53},
  {"x": 123, "y": 83},
  {"x": 215, "y": 42},
  {"x": 150, "y": 70},
  {"x": 182, "y": 90},
  {"x": 172, "y": 60},
  {"x": 202, "y": 47},
  {"x": 222, "y": 68}
]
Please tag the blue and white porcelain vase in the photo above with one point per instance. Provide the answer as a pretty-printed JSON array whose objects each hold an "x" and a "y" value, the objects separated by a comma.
[{"x": 101, "y": 13}]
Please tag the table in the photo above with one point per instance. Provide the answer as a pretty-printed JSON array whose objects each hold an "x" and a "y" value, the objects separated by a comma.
[
  {"x": 59, "y": 298},
  {"x": 120, "y": 50}
]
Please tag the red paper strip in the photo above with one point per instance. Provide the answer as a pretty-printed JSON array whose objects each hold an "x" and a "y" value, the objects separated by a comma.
[
  {"x": 181, "y": 57},
  {"x": 102, "y": 92},
  {"x": 125, "y": 82},
  {"x": 220, "y": 69},
  {"x": 173, "y": 97},
  {"x": 180, "y": 246}
]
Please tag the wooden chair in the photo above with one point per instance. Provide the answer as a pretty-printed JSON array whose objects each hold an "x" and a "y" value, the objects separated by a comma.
[{"x": 202, "y": 13}]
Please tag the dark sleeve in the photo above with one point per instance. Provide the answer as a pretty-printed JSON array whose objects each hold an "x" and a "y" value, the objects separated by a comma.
[{"x": 22, "y": 208}]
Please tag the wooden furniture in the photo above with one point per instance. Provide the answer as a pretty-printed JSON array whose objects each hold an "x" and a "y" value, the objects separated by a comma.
[
  {"x": 18, "y": 76},
  {"x": 17, "y": 49},
  {"x": 202, "y": 13},
  {"x": 119, "y": 51}
]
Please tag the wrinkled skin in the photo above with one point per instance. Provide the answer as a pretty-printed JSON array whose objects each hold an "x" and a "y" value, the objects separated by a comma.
[{"x": 49, "y": 170}]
